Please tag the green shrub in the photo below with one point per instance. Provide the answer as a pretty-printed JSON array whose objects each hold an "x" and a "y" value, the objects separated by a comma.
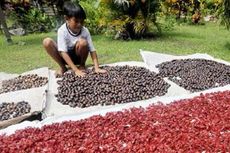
[
  {"x": 33, "y": 20},
  {"x": 132, "y": 18},
  {"x": 95, "y": 22}
]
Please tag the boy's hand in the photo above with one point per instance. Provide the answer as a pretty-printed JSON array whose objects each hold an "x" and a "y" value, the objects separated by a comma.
[
  {"x": 79, "y": 73},
  {"x": 98, "y": 70}
]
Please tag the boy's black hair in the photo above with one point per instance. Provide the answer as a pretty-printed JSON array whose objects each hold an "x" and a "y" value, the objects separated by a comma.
[{"x": 73, "y": 10}]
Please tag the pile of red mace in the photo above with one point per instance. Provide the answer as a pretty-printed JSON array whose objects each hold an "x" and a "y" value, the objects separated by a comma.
[{"x": 200, "y": 124}]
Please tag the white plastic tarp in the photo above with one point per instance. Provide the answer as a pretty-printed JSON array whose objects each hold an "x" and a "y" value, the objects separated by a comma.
[
  {"x": 36, "y": 97},
  {"x": 56, "y": 112},
  {"x": 83, "y": 115},
  {"x": 152, "y": 59},
  {"x": 54, "y": 108}
]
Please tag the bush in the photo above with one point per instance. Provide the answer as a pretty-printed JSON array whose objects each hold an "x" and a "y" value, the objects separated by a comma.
[
  {"x": 132, "y": 19},
  {"x": 168, "y": 22},
  {"x": 33, "y": 20},
  {"x": 95, "y": 22}
]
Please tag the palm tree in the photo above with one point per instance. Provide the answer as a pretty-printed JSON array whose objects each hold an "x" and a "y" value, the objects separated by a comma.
[{"x": 134, "y": 16}]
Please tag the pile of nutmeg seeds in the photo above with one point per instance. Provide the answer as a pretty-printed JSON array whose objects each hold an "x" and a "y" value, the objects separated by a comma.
[
  {"x": 12, "y": 110},
  {"x": 196, "y": 74},
  {"x": 23, "y": 82},
  {"x": 121, "y": 84}
]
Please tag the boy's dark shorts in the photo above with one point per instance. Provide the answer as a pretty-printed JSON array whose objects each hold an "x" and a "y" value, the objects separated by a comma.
[
  {"x": 71, "y": 52},
  {"x": 76, "y": 59}
]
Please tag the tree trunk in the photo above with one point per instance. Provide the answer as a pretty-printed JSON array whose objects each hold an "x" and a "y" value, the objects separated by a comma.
[
  {"x": 226, "y": 13},
  {"x": 4, "y": 25}
]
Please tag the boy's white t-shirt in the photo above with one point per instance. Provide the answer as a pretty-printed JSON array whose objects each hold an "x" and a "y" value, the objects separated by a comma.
[{"x": 66, "y": 39}]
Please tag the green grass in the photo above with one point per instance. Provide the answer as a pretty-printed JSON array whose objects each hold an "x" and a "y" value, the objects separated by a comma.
[{"x": 210, "y": 39}]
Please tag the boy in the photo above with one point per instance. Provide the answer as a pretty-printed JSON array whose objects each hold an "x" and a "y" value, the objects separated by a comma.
[{"x": 74, "y": 42}]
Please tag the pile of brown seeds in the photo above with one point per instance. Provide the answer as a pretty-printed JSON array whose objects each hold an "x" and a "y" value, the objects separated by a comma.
[
  {"x": 12, "y": 110},
  {"x": 23, "y": 82},
  {"x": 196, "y": 74},
  {"x": 121, "y": 84}
]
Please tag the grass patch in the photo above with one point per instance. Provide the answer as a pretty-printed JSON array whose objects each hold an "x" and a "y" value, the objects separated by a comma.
[{"x": 210, "y": 39}]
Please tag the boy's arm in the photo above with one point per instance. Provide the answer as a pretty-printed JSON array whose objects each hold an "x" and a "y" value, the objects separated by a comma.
[
  {"x": 71, "y": 64},
  {"x": 93, "y": 53},
  {"x": 96, "y": 64}
]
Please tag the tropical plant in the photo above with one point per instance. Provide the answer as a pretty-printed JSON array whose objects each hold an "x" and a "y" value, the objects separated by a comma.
[
  {"x": 96, "y": 15},
  {"x": 221, "y": 9},
  {"x": 186, "y": 9},
  {"x": 226, "y": 13},
  {"x": 133, "y": 18},
  {"x": 26, "y": 15},
  {"x": 33, "y": 20}
]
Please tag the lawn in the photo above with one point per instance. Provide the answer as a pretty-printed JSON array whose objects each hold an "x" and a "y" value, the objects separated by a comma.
[{"x": 209, "y": 38}]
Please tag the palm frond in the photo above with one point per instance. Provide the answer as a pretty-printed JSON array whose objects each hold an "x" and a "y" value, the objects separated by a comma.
[{"x": 121, "y": 2}]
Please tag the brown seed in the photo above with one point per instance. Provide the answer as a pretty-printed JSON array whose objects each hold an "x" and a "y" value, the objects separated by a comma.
[{"x": 123, "y": 84}]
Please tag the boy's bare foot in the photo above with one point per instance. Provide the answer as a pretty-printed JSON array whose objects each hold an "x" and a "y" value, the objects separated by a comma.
[{"x": 60, "y": 72}]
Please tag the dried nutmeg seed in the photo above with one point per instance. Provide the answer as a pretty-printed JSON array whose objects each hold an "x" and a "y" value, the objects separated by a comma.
[
  {"x": 121, "y": 84},
  {"x": 12, "y": 110},
  {"x": 196, "y": 74},
  {"x": 23, "y": 82}
]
